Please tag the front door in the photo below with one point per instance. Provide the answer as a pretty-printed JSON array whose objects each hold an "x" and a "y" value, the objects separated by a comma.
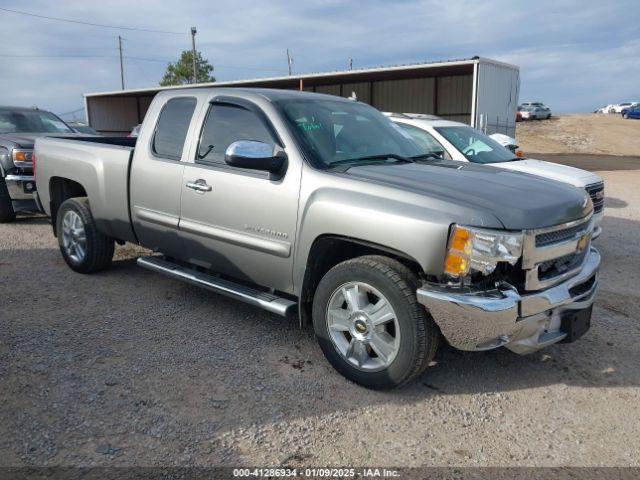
[{"x": 236, "y": 221}]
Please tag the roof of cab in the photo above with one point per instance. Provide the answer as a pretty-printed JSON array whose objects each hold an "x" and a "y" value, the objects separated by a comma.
[{"x": 271, "y": 94}]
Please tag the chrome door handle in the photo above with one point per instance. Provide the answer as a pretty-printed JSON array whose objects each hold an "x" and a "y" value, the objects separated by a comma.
[{"x": 199, "y": 186}]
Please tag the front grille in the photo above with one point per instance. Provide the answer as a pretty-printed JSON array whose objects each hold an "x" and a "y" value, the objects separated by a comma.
[
  {"x": 594, "y": 192},
  {"x": 561, "y": 265},
  {"x": 558, "y": 236},
  {"x": 552, "y": 254}
]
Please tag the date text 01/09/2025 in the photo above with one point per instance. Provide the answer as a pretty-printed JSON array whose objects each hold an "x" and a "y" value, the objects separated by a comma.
[{"x": 316, "y": 472}]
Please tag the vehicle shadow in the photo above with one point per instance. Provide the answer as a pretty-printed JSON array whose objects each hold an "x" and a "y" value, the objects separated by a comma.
[
  {"x": 31, "y": 219},
  {"x": 591, "y": 162},
  {"x": 612, "y": 202}
]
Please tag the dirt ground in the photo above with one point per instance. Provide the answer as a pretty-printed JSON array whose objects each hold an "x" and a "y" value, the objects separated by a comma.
[
  {"x": 586, "y": 133},
  {"x": 127, "y": 367}
]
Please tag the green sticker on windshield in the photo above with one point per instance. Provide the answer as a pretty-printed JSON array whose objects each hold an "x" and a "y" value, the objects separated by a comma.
[{"x": 310, "y": 126}]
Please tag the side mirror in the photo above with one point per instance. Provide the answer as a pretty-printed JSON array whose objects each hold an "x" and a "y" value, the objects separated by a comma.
[{"x": 255, "y": 156}]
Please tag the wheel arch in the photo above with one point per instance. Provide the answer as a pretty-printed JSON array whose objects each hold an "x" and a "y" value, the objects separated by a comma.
[
  {"x": 61, "y": 189},
  {"x": 327, "y": 251}
]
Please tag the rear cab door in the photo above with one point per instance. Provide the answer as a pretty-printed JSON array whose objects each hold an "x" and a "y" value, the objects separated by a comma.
[
  {"x": 157, "y": 170},
  {"x": 243, "y": 223}
]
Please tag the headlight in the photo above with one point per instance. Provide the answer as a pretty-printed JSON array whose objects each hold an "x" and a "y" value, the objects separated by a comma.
[
  {"x": 475, "y": 249},
  {"x": 22, "y": 155}
]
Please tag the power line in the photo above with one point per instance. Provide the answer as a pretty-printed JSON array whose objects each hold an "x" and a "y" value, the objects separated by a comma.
[
  {"x": 72, "y": 111},
  {"x": 57, "y": 56},
  {"x": 143, "y": 59},
  {"x": 68, "y": 20},
  {"x": 3, "y": 55}
]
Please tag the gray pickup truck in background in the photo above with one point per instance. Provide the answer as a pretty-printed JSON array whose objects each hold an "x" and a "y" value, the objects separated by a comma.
[
  {"x": 316, "y": 205},
  {"x": 19, "y": 128}
]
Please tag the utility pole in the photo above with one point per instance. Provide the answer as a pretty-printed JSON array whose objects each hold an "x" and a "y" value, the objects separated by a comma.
[
  {"x": 193, "y": 53},
  {"x": 121, "y": 64},
  {"x": 289, "y": 61},
  {"x": 351, "y": 64}
]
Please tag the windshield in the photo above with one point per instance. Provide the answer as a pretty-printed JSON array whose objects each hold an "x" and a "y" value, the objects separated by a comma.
[
  {"x": 31, "y": 121},
  {"x": 339, "y": 132},
  {"x": 476, "y": 146},
  {"x": 425, "y": 140}
]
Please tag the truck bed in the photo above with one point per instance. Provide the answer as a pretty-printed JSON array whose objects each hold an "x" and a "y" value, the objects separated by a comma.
[{"x": 101, "y": 166}]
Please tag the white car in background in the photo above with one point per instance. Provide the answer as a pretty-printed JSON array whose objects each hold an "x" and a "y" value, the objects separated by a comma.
[
  {"x": 618, "y": 107},
  {"x": 533, "y": 112},
  {"x": 458, "y": 141},
  {"x": 507, "y": 142}
]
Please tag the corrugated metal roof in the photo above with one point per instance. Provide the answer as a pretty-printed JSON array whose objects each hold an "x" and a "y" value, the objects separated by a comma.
[{"x": 327, "y": 75}]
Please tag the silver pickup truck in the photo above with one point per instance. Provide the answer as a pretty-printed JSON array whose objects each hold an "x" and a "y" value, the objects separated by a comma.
[{"x": 319, "y": 206}]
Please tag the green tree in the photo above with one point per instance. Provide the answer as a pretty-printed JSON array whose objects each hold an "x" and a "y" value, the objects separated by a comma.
[{"x": 181, "y": 72}]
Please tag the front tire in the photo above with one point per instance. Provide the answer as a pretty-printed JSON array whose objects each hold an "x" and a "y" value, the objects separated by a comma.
[
  {"x": 7, "y": 214},
  {"x": 83, "y": 247},
  {"x": 370, "y": 325}
]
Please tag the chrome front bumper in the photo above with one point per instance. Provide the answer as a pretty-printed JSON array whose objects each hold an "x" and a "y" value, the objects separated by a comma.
[
  {"x": 597, "y": 224},
  {"x": 16, "y": 183},
  {"x": 22, "y": 200},
  {"x": 521, "y": 322}
]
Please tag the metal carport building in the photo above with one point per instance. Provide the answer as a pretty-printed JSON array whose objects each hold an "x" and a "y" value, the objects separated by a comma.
[{"x": 477, "y": 91}]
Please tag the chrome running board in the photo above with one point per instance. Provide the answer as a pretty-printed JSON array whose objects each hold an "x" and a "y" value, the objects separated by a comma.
[{"x": 271, "y": 303}]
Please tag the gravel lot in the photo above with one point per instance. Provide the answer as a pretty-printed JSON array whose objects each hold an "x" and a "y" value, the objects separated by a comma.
[
  {"x": 580, "y": 133},
  {"x": 127, "y": 367}
]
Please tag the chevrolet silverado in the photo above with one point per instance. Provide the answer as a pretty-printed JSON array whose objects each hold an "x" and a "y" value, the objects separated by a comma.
[{"x": 317, "y": 206}]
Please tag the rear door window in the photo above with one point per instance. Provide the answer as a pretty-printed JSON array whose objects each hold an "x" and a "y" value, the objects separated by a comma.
[{"x": 171, "y": 129}]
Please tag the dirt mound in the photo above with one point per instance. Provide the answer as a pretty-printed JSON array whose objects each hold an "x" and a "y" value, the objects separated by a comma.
[{"x": 590, "y": 133}]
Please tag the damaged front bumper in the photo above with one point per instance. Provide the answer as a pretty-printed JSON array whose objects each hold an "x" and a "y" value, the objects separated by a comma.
[{"x": 522, "y": 322}]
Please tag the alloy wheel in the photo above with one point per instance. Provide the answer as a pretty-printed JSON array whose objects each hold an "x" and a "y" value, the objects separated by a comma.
[
  {"x": 363, "y": 326},
  {"x": 74, "y": 237}
]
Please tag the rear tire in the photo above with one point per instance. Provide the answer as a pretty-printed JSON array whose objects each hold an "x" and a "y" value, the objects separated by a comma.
[
  {"x": 7, "y": 214},
  {"x": 376, "y": 350},
  {"x": 83, "y": 247}
]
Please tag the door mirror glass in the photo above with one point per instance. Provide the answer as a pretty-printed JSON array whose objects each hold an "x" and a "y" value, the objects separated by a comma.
[{"x": 255, "y": 156}]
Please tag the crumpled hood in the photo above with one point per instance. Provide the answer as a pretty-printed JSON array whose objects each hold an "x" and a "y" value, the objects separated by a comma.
[
  {"x": 28, "y": 140},
  {"x": 562, "y": 173},
  {"x": 518, "y": 200}
]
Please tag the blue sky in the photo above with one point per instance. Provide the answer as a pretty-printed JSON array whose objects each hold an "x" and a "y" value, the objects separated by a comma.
[{"x": 574, "y": 55}]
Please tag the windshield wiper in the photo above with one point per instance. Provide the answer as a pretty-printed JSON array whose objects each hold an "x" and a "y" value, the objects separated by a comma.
[
  {"x": 386, "y": 156},
  {"x": 425, "y": 156}
]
